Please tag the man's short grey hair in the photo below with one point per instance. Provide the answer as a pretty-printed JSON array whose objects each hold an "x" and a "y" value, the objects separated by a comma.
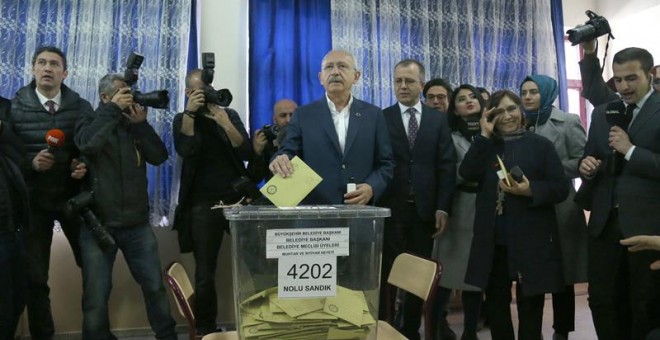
[
  {"x": 353, "y": 59},
  {"x": 107, "y": 83}
]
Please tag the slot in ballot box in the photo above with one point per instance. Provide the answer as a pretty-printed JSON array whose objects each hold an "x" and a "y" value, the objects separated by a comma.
[{"x": 309, "y": 272}]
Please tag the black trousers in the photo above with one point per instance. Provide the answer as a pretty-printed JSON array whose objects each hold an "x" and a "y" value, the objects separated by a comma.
[
  {"x": 624, "y": 294},
  {"x": 563, "y": 310},
  {"x": 498, "y": 300},
  {"x": 405, "y": 232},
  {"x": 38, "y": 242},
  {"x": 207, "y": 227}
]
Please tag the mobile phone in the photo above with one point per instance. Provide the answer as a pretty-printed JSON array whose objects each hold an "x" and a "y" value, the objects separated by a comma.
[{"x": 516, "y": 174}]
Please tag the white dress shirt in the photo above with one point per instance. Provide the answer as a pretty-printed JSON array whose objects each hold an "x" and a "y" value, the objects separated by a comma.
[
  {"x": 340, "y": 119},
  {"x": 405, "y": 116}
]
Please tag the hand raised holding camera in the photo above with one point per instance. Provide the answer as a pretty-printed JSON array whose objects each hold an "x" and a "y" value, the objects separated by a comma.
[
  {"x": 123, "y": 98},
  {"x": 137, "y": 113},
  {"x": 195, "y": 100}
]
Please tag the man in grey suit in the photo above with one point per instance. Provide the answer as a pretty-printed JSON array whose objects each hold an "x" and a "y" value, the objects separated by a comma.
[
  {"x": 342, "y": 138},
  {"x": 623, "y": 292},
  {"x": 424, "y": 179}
]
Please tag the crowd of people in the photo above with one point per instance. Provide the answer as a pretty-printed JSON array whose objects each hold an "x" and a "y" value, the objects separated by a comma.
[{"x": 479, "y": 181}]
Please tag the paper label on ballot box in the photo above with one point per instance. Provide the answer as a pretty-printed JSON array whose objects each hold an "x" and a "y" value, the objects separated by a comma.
[
  {"x": 306, "y": 276},
  {"x": 307, "y": 242}
]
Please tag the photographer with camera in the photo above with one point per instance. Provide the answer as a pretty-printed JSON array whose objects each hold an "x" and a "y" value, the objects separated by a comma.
[
  {"x": 623, "y": 293},
  {"x": 213, "y": 144},
  {"x": 118, "y": 141},
  {"x": 267, "y": 140},
  {"x": 594, "y": 88}
]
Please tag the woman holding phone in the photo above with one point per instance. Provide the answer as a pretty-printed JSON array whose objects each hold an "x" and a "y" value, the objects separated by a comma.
[{"x": 515, "y": 226}]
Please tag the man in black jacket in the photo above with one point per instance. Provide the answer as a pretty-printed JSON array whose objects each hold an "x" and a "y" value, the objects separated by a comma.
[
  {"x": 13, "y": 222},
  {"x": 213, "y": 144},
  {"x": 118, "y": 141},
  {"x": 52, "y": 176}
]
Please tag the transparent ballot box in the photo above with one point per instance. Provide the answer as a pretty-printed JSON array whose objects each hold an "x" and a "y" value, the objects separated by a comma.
[{"x": 310, "y": 272}]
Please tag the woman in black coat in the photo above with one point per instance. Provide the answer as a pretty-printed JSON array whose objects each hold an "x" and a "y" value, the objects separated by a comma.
[{"x": 515, "y": 228}]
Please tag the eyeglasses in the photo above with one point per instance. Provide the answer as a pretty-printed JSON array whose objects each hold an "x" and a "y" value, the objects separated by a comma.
[
  {"x": 511, "y": 108},
  {"x": 656, "y": 82},
  {"x": 439, "y": 97}
]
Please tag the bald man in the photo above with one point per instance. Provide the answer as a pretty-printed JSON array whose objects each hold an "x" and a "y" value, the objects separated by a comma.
[{"x": 266, "y": 140}]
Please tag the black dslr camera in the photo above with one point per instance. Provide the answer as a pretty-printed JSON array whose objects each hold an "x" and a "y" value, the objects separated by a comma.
[
  {"x": 80, "y": 204},
  {"x": 220, "y": 97},
  {"x": 592, "y": 29},
  {"x": 270, "y": 131},
  {"x": 159, "y": 99}
]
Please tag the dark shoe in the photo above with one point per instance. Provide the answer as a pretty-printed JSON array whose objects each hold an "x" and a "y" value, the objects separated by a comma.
[
  {"x": 468, "y": 335},
  {"x": 560, "y": 336},
  {"x": 444, "y": 331}
]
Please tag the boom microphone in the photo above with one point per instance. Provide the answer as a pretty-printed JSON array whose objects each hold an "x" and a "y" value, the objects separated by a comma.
[{"x": 55, "y": 138}]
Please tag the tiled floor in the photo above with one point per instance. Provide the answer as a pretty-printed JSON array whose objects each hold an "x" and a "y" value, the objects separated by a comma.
[{"x": 584, "y": 327}]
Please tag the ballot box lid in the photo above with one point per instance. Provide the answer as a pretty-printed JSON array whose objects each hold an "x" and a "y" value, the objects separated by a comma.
[{"x": 242, "y": 213}]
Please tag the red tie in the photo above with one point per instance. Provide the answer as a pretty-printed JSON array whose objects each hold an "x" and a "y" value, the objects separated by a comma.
[{"x": 51, "y": 107}]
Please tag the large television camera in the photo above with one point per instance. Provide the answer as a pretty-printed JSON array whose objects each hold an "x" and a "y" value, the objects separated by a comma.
[
  {"x": 220, "y": 97},
  {"x": 595, "y": 27},
  {"x": 159, "y": 99},
  {"x": 81, "y": 205}
]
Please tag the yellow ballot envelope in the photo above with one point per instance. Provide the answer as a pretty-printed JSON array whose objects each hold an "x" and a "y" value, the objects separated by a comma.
[
  {"x": 502, "y": 173},
  {"x": 290, "y": 191}
]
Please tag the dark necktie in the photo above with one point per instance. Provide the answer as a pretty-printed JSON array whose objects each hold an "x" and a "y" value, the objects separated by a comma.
[
  {"x": 51, "y": 107},
  {"x": 629, "y": 113},
  {"x": 413, "y": 127}
]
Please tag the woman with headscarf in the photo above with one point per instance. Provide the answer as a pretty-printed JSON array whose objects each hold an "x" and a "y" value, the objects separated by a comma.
[
  {"x": 452, "y": 247},
  {"x": 565, "y": 131},
  {"x": 515, "y": 228}
]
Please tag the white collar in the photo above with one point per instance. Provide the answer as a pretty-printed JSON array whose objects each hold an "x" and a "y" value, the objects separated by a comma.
[{"x": 43, "y": 99}]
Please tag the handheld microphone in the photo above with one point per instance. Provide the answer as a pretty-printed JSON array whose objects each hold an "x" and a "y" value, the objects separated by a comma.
[
  {"x": 615, "y": 114},
  {"x": 55, "y": 138}
]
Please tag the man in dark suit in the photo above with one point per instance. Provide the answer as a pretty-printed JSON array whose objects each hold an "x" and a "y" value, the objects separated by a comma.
[
  {"x": 342, "y": 138},
  {"x": 623, "y": 291},
  {"x": 424, "y": 177}
]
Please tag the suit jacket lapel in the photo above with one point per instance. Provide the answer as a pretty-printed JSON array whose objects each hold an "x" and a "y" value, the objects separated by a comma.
[
  {"x": 399, "y": 130},
  {"x": 354, "y": 122},
  {"x": 650, "y": 108},
  {"x": 328, "y": 125}
]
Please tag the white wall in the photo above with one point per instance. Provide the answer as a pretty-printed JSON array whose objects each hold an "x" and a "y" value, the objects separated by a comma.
[{"x": 224, "y": 31}]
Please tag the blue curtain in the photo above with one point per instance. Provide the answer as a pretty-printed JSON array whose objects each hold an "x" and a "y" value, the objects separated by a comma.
[
  {"x": 494, "y": 43},
  {"x": 557, "y": 14},
  {"x": 288, "y": 39}
]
